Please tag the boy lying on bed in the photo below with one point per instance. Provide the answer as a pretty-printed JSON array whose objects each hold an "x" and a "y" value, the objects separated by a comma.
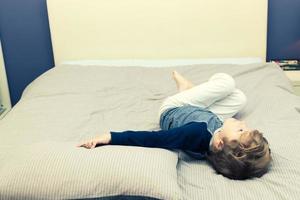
[{"x": 198, "y": 120}]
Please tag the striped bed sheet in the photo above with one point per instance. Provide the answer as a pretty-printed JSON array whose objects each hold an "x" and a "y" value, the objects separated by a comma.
[{"x": 71, "y": 103}]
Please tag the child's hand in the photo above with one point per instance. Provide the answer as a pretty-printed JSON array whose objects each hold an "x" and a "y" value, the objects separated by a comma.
[{"x": 101, "y": 139}]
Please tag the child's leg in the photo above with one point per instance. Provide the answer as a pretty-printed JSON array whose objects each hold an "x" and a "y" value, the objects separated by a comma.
[
  {"x": 229, "y": 106},
  {"x": 216, "y": 88}
]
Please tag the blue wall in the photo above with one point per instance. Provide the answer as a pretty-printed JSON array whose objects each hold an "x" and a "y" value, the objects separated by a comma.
[
  {"x": 25, "y": 37},
  {"x": 283, "y": 29}
]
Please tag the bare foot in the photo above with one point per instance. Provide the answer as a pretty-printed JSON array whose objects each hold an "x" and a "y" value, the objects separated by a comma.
[{"x": 181, "y": 82}]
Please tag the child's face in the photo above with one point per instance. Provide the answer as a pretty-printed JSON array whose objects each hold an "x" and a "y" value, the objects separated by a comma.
[{"x": 232, "y": 129}]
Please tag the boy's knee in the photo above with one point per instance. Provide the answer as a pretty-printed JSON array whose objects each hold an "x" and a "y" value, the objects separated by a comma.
[
  {"x": 225, "y": 79},
  {"x": 229, "y": 80}
]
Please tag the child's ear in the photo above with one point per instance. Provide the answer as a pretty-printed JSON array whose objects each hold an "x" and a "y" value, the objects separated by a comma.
[{"x": 220, "y": 145}]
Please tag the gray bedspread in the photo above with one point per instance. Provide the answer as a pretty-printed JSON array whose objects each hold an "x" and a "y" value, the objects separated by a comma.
[{"x": 71, "y": 103}]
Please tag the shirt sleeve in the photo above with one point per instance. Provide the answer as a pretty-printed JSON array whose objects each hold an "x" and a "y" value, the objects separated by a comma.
[{"x": 187, "y": 137}]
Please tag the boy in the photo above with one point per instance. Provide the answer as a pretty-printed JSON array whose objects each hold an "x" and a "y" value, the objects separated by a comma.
[{"x": 198, "y": 120}]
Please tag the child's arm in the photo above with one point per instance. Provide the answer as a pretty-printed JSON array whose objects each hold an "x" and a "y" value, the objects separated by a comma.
[
  {"x": 192, "y": 136},
  {"x": 184, "y": 137}
]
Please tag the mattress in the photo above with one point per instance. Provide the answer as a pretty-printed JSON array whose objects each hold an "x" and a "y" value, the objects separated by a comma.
[
  {"x": 165, "y": 62},
  {"x": 72, "y": 103}
]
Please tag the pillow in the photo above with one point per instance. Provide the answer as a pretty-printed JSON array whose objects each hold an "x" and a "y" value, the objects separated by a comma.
[{"x": 51, "y": 170}]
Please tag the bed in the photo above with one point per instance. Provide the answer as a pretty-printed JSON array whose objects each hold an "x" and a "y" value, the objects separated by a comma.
[
  {"x": 73, "y": 102},
  {"x": 85, "y": 94}
]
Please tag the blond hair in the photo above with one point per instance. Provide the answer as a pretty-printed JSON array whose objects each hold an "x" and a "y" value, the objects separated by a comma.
[{"x": 245, "y": 160}]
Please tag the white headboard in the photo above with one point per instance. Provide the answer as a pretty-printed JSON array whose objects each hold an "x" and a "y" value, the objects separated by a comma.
[
  {"x": 4, "y": 91},
  {"x": 157, "y": 29}
]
